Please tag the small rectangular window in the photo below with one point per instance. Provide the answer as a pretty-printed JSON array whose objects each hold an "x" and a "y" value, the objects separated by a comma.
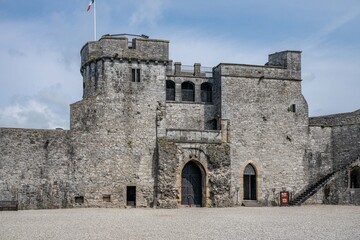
[
  {"x": 135, "y": 75},
  {"x": 79, "y": 199},
  {"x": 107, "y": 198},
  {"x": 292, "y": 108}
]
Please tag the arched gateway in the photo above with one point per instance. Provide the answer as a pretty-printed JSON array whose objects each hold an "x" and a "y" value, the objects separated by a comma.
[{"x": 191, "y": 185}]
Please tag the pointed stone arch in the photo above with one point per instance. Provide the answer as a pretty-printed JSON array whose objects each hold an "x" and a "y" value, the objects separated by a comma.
[
  {"x": 196, "y": 157},
  {"x": 191, "y": 185},
  {"x": 249, "y": 176},
  {"x": 258, "y": 179}
]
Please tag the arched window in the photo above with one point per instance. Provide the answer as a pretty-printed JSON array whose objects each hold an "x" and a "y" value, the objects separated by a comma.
[
  {"x": 187, "y": 92},
  {"x": 206, "y": 92},
  {"x": 355, "y": 177},
  {"x": 170, "y": 90},
  {"x": 249, "y": 183}
]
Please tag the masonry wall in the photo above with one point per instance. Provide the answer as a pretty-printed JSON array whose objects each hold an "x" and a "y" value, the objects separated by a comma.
[
  {"x": 114, "y": 128},
  {"x": 319, "y": 153},
  {"x": 36, "y": 168},
  {"x": 346, "y": 150},
  {"x": 197, "y": 116},
  {"x": 334, "y": 143},
  {"x": 124, "y": 133},
  {"x": 114, "y": 136},
  {"x": 263, "y": 130},
  {"x": 214, "y": 161},
  {"x": 182, "y": 114}
]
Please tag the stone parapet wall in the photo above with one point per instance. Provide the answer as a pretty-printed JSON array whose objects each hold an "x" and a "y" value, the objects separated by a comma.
[
  {"x": 180, "y": 135},
  {"x": 336, "y": 119},
  {"x": 118, "y": 47}
]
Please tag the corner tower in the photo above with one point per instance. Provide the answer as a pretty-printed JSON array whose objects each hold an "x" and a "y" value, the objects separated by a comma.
[
  {"x": 115, "y": 58},
  {"x": 128, "y": 74},
  {"x": 114, "y": 125}
]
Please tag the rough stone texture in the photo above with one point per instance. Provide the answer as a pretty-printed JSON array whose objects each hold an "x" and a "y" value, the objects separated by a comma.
[
  {"x": 214, "y": 161},
  {"x": 335, "y": 143},
  {"x": 263, "y": 131},
  {"x": 319, "y": 152},
  {"x": 336, "y": 119},
  {"x": 124, "y": 133},
  {"x": 189, "y": 115},
  {"x": 35, "y": 168},
  {"x": 120, "y": 120}
]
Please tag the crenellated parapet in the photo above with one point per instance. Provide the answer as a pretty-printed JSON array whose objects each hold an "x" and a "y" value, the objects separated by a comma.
[
  {"x": 115, "y": 58},
  {"x": 120, "y": 48}
]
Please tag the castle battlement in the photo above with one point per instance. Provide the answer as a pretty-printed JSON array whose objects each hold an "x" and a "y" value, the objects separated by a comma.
[{"x": 120, "y": 48}]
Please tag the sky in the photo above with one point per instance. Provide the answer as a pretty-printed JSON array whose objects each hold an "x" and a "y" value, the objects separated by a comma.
[{"x": 40, "y": 44}]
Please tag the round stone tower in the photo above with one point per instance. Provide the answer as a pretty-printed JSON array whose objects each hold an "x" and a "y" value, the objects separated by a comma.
[{"x": 114, "y": 125}]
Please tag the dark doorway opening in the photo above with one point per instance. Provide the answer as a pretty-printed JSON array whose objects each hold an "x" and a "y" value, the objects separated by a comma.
[
  {"x": 131, "y": 196},
  {"x": 191, "y": 185},
  {"x": 355, "y": 177},
  {"x": 249, "y": 183}
]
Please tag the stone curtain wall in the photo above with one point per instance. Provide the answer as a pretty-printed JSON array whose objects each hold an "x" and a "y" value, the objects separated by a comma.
[
  {"x": 335, "y": 142},
  {"x": 346, "y": 149},
  {"x": 336, "y": 119},
  {"x": 319, "y": 153},
  {"x": 36, "y": 168}
]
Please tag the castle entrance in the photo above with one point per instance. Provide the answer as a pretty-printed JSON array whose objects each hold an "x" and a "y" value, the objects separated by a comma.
[
  {"x": 249, "y": 183},
  {"x": 191, "y": 185}
]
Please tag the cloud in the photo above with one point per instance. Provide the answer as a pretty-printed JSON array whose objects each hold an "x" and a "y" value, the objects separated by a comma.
[
  {"x": 30, "y": 114},
  {"x": 39, "y": 54},
  {"x": 40, "y": 77},
  {"x": 149, "y": 11}
]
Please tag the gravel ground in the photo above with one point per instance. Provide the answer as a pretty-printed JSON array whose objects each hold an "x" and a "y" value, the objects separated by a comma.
[{"x": 307, "y": 222}]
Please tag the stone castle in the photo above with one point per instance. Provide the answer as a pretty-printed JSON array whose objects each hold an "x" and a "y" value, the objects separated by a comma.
[{"x": 153, "y": 133}]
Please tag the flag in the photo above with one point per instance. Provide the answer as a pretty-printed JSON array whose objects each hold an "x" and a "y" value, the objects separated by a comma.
[{"x": 91, "y": 3}]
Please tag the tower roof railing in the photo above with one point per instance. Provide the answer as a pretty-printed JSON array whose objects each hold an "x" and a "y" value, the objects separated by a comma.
[
  {"x": 190, "y": 69},
  {"x": 127, "y": 35}
]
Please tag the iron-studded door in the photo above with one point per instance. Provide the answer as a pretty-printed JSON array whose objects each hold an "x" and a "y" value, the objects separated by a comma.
[
  {"x": 249, "y": 183},
  {"x": 191, "y": 185}
]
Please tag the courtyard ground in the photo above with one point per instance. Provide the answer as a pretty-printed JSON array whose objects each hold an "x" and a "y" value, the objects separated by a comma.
[{"x": 306, "y": 222}]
